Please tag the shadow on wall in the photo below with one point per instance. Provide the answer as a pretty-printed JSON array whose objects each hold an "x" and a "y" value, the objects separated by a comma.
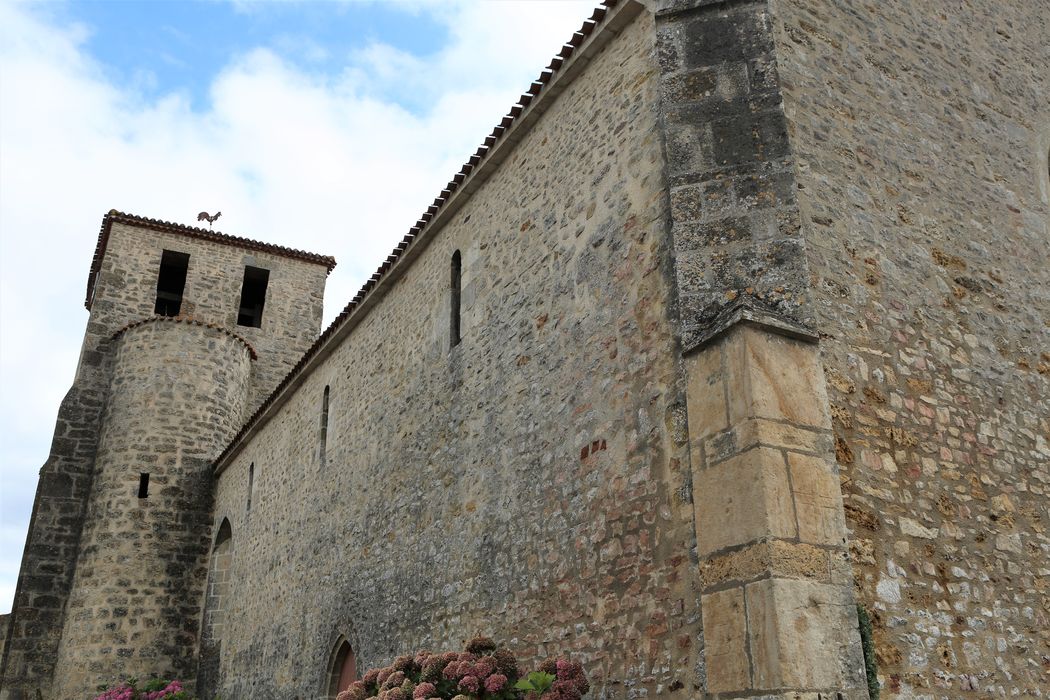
[{"x": 215, "y": 602}]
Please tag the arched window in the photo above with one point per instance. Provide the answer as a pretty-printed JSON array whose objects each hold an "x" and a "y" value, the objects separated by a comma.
[
  {"x": 324, "y": 427},
  {"x": 343, "y": 668},
  {"x": 457, "y": 274}
]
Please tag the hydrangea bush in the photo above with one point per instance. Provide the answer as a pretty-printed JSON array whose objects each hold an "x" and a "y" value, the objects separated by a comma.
[
  {"x": 482, "y": 671},
  {"x": 156, "y": 689}
]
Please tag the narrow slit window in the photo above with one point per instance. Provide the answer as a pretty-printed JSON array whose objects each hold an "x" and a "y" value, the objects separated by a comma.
[
  {"x": 251, "y": 485},
  {"x": 143, "y": 485},
  {"x": 253, "y": 296},
  {"x": 324, "y": 426},
  {"x": 171, "y": 282},
  {"x": 457, "y": 274}
]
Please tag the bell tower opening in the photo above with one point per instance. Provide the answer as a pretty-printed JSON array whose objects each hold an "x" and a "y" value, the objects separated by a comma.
[
  {"x": 253, "y": 296},
  {"x": 171, "y": 282}
]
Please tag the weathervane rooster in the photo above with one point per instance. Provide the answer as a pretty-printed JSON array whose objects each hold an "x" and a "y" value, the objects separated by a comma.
[{"x": 205, "y": 216}]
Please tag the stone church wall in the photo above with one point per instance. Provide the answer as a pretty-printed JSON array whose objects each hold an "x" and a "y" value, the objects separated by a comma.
[
  {"x": 852, "y": 201},
  {"x": 920, "y": 135},
  {"x": 528, "y": 483}
]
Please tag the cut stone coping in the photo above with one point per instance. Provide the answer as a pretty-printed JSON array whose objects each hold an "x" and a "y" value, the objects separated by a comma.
[{"x": 751, "y": 311}]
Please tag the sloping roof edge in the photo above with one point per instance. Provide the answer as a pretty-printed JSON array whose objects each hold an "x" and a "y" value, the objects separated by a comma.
[
  {"x": 114, "y": 216},
  {"x": 608, "y": 19}
]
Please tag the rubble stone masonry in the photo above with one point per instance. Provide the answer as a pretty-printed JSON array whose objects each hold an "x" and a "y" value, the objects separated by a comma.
[
  {"x": 177, "y": 395},
  {"x": 753, "y": 317},
  {"x": 531, "y": 482},
  {"x": 125, "y": 293},
  {"x": 920, "y": 133}
]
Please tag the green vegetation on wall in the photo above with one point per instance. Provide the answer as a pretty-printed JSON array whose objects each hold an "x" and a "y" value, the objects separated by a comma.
[{"x": 867, "y": 643}]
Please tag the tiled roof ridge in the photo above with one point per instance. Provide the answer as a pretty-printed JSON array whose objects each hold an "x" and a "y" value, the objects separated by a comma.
[
  {"x": 189, "y": 320},
  {"x": 415, "y": 231},
  {"x": 113, "y": 216}
]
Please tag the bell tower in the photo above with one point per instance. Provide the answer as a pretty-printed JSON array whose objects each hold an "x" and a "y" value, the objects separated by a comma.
[{"x": 189, "y": 330}]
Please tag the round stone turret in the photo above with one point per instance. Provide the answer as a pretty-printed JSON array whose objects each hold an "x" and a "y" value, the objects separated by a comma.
[{"x": 178, "y": 393}]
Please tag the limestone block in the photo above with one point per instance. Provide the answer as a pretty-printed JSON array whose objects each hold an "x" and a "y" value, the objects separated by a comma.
[
  {"x": 705, "y": 393},
  {"x": 762, "y": 559},
  {"x": 802, "y": 635},
  {"x": 774, "y": 377},
  {"x": 751, "y": 433},
  {"x": 725, "y": 637},
  {"x": 818, "y": 500},
  {"x": 743, "y": 499}
]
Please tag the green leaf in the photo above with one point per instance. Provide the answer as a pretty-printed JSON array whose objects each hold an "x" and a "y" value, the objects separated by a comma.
[
  {"x": 523, "y": 685},
  {"x": 540, "y": 681}
]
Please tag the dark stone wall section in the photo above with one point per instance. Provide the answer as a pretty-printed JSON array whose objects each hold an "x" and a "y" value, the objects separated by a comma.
[{"x": 730, "y": 171}]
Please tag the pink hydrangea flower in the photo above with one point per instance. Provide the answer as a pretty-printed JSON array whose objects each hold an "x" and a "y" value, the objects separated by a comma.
[
  {"x": 456, "y": 670},
  {"x": 484, "y": 666},
  {"x": 495, "y": 682},
  {"x": 424, "y": 690},
  {"x": 394, "y": 680},
  {"x": 469, "y": 683}
]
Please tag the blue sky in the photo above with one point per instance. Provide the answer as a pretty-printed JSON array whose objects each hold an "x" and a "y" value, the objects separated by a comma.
[
  {"x": 160, "y": 47},
  {"x": 325, "y": 126}
]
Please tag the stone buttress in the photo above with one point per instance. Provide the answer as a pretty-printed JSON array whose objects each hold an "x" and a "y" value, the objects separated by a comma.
[{"x": 779, "y": 619}]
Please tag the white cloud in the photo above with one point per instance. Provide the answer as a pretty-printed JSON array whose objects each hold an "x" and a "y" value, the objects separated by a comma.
[{"x": 326, "y": 163}]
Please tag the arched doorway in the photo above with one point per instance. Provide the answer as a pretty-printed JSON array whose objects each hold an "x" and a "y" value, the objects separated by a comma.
[
  {"x": 218, "y": 583},
  {"x": 344, "y": 668}
]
